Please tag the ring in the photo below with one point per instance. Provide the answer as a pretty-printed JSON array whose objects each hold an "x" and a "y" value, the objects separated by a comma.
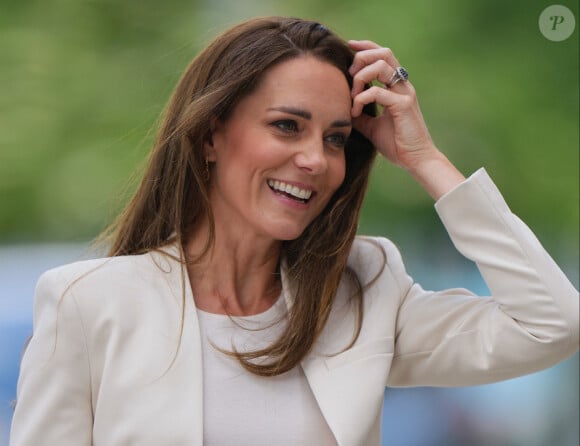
[{"x": 400, "y": 74}]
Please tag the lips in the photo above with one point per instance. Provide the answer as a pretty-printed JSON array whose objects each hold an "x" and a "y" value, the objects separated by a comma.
[{"x": 291, "y": 191}]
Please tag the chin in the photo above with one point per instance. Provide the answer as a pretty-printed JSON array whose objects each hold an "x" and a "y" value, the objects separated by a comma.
[
  {"x": 288, "y": 233},
  {"x": 286, "y": 237}
]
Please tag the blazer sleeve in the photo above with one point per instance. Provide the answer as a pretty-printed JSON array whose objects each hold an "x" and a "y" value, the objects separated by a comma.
[
  {"x": 453, "y": 337},
  {"x": 53, "y": 405}
]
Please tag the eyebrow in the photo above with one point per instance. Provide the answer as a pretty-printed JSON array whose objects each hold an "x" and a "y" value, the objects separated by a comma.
[{"x": 307, "y": 115}]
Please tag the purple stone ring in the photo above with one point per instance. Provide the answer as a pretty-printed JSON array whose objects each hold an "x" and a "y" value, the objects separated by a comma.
[{"x": 400, "y": 74}]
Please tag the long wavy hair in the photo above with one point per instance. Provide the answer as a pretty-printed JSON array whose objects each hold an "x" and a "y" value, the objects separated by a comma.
[{"x": 173, "y": 195}]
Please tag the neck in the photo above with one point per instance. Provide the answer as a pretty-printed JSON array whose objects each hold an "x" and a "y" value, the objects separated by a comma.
[{"x": 238, "y": 276}]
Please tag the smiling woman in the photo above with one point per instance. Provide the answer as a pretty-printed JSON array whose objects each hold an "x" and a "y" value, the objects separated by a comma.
[
  {"x": 238, "y": 306},
  {"x": 280, "y": 144}
]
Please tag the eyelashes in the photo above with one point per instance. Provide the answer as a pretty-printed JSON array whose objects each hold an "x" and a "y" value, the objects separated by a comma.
[
  {"x": 338, "y": 140},
  {"x": 286, "y": 125},
  {"x": 290, "y": 127}
]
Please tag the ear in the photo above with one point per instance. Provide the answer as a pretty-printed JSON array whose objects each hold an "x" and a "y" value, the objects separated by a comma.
[{"x": 212, "y": 140}]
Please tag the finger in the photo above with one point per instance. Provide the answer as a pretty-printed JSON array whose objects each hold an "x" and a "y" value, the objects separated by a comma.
[
  {"x": 398, "y": 82},
  {"x": 379, "y": 70},
  {"x": 368, "y": 56},
  {"x": 385, "y": 97},
  {"x": 369, "y": 96},
  {"x": 366, "y": 124},
  {"x": 359, "y": 45},
  {"x": 363, "y": 124}
]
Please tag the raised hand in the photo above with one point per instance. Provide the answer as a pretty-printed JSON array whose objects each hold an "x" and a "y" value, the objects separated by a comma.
[{"x": 399, "y": 132}]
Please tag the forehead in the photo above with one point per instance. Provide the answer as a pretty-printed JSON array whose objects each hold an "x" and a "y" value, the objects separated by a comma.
[{"x": 304, "y": 81}]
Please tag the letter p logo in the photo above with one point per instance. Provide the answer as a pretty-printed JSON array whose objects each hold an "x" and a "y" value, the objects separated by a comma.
[
  {"x": 557, "y": 23},
  {"x": 557, "y": 19}
]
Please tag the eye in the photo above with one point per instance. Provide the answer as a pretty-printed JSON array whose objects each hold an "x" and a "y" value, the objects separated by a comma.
[
  {"x": 286, "y": 125},
  {"x": 338, "y": 140}
]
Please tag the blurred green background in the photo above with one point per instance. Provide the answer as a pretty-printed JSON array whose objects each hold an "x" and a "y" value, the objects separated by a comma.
[{"x": 83, "y": 82}]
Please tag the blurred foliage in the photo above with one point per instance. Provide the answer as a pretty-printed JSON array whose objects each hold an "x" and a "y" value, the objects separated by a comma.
[{"x": 83, "y": 82}]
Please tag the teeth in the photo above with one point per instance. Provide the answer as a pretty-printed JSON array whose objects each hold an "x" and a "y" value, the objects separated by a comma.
[{"x": 303, "y": 194}]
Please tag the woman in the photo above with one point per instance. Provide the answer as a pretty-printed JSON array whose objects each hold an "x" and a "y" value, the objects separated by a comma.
[{"x": 237, "y": 306}]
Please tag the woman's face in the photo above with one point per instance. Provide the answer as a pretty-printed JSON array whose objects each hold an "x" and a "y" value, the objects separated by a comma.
[{"x": 279, "y": 157}]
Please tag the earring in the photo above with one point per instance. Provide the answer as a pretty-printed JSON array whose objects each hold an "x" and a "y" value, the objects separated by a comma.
[{"x": 206, "y": 177}]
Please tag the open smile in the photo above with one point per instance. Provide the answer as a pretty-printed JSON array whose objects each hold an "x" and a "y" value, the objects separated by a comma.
[{"x": 290, "y": 191}]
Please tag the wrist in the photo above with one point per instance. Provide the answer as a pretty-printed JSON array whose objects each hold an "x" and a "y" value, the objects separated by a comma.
[{"x": 436, "y": 174}]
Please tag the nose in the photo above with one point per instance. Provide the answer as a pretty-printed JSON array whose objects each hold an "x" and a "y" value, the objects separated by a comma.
[{"x": 311, "y": 157}]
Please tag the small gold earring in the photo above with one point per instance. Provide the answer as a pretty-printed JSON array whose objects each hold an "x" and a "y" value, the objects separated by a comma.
[{"x": 206, "y": 170}]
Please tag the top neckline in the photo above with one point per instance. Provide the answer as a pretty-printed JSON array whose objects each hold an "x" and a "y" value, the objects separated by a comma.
[{"x": 273, "y": 310}]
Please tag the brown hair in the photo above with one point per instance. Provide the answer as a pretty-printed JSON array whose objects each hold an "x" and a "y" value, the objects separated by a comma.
[{"x": 172, "y": 197}]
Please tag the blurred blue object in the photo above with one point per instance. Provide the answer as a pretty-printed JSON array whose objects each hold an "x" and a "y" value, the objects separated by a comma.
[{"x": 535, "y": 410}]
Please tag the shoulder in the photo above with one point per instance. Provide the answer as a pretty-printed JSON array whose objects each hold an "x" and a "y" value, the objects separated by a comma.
[
  {"x": 116, "y": 293},
  {"x": 371, "y": 257},
  {"x": 105, "y": 279},
  {"x": 91, "y": 270},
  {"x": 367, "y": 250}
]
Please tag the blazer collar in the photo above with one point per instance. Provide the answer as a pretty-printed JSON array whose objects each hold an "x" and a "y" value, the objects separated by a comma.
[{"x": 313, "y": 365}]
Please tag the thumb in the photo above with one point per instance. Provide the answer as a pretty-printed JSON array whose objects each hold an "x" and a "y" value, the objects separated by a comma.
[{"x": 363, "y": 123}]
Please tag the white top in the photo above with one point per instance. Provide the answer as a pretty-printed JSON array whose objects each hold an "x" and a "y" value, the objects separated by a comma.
[{"x": 245, "y": 409}]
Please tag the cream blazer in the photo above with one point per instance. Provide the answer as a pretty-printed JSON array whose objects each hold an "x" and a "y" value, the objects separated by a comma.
[{"x": 103, "y": 367}]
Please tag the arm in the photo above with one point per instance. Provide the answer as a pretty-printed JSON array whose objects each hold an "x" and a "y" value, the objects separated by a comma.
[
  {"x": 452, "y": 337},
  {"x": 54, "y": 388}
]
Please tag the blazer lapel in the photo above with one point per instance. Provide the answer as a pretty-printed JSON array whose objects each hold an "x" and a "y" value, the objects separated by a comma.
[
  {"x": 314, "y": 369},
  {"x": 175, "y": 273},
  {"x": 347, "y": 386}
]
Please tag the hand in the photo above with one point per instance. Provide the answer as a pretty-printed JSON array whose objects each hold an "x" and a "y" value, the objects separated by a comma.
[{"x": 399, "y": 131}]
